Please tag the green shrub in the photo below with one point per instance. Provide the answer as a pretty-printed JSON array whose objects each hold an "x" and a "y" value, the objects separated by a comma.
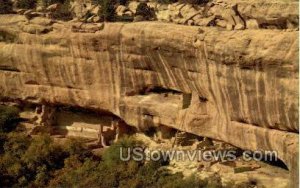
[
  {"x": 107, "y": 10},
  {"x": 40, "y": 162},
  {"x": 112, "y": 154},
  {"x": 63, "y": 12},
  {"x": 9, "y": 117},
  {"x": 115, "y": 2},
  {"x": 122, "y": 2},
  {"x": 6, "y": 36},
  {"x": 2, "y": 141},
  {"x": 29, "y": 161},
  {"x": 144, "y": 10},
  {"x": 5, "y": 6},
  {"x": 12, "y": 169},
  {"x": 16, "y": 144},
  {"x": 46, "y": 3},
  {"x": 75, "y": 147},
  {"x": 26, "y": 4},
  {"x": 166, "y": 1},
  {"x": 43, "y": 151}
]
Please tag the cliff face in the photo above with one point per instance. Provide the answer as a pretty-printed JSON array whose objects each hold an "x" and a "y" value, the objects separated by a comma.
[{"x": 240, "y": 87}]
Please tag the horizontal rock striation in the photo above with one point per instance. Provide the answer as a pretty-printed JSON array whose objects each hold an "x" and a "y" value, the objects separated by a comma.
[{"x": 240, "y": 87}]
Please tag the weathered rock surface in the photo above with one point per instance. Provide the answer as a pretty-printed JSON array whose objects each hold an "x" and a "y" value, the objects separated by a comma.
[
  {"x": 240, "y": 87},
  {"x": 234, "y": 14}
]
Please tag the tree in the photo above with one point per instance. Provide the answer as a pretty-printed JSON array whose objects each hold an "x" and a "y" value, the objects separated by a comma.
[
  {"x": 9, "y": 117},
  {"x": 26, "y": 4},
  {"x": 5, "y": 6},
  {"x": 107, "y": 10}
]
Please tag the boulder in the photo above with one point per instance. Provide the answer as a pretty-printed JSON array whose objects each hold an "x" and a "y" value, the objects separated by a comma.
[
  {"x": 132, "y": 6},
  {"x": 41, "y": 21},
  {"x": 95, "y": 10},
  {"x": 188, "y": 12},
  {"x": 35, "y": 29},
  {"x": 128, "y": 13},
  {"x": 229, "y": 27},
  {"x": 138, "y": 18},
  {"x": 20, "y": 11},
  {"x": 221, "y": 23},
  {"x": 239, "y": 26},
  {"x": 53, "y": 7},
  {"x": 239, "y": 23},
  {"x": 190, "y": 22},
  {"x": 86, "y": 28},
  {"x": 29, "y": 14},
  {"x": 121, "y": 9},
  {"x": 90, "y": 19},
  {"x": 39, "y": 9},
  {"x": 252, "y": 24},
  {"x": 164, "y": 16},
  {"x": 96, "y": 19},
  {"x": 79, "y": 9},
  {"x": 205, "y": 21}
]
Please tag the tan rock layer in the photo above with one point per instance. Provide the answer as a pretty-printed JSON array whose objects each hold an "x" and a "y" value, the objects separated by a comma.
[{"x": 237, "y": 86}]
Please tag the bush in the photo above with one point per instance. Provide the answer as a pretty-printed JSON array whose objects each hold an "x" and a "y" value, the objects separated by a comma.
[
  {"x": 40, "y": 162},
  {"x": 166, "y": 1},
  {"x": 43, "y": 151},
  {"x": 6, "y": 6},
  {"x": 144, "y": 10},
  {"x": 107, "y": 10},
  {"x": 2, "y": 141},
  {"x": 112, "y": 154},
  {"x": 75, "y": 147},
  {"x": 122, "y": 2},
  {"x": 112, "y": 172},
  {"x": 16, "y": 144},
  {"x": 11, "y": 166},
  {"x": 46, "y": 3},
  {"x": 9, "y": 117},
  {"x": 63, "y": 12},
  {"x": 26, "y": 4}
]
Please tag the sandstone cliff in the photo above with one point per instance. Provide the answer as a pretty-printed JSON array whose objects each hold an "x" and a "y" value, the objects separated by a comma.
[{"x": 237, "y": 86}]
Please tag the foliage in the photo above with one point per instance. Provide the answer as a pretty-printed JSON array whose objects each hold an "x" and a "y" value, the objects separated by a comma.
[
  {"x": 122, "y": 2},
  {"x": 144, "y": 10},
  {"x": 2, "y": 141},
  {"x": 39, "y": 161},
  {"x": 112, "y": 154},
  {"x": 7, "y": 36},
  {"x": 9, "y": 117},
  {"x": 166, "y": 1},
  {"x": 11, "y": 166},
  {"x": 5, "y": 6},
  {"x": 63, "y": 12},
  {"x": 107, "y": 10},
  {"x": 46, "y": 3},
  {"x": 26, "y": 4},
  {"x": 112, "y": 172}
]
